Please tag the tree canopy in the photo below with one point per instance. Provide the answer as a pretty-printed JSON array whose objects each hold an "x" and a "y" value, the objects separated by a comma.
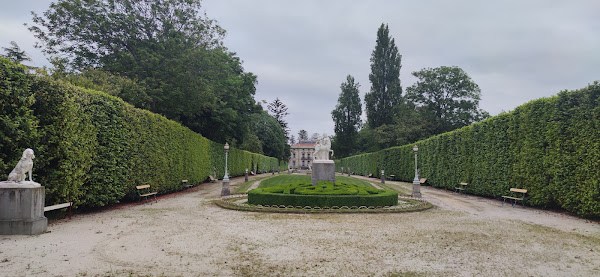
[
  {"x": 302, "y": 136},
  {"x": 279, "y": 111},
  {"x": 346, "y": 117},
  {"x": 447, "y": 96},
  {"x": 273, "y": 139},
  {"x": 170, "y": 48},
  {"x": 386, "y": 90},
  {"x": 15, "y": 54}
]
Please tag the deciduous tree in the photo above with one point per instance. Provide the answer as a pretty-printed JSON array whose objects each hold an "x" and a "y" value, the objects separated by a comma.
[
  {"x": 346, "y": 117},
  {"x": 169, "y": 46},
  {"x": 446, "y": 96},
  {"x": 270, "y": 133}
]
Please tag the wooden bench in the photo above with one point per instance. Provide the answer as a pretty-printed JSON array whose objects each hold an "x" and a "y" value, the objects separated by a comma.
[
  {"x": 144, "y": 191},
  {"x": 461, "y": 188},
  {"x": 422, "y": 181},
  {"x": 185, "y": 184},
  {"x": 60, "y": 206},
  {"x": 514, "y": 192},
  {"x": 370, "y": 175},
  {"x": 212, "y": 179},
  {"x": 391, "y": 177}
]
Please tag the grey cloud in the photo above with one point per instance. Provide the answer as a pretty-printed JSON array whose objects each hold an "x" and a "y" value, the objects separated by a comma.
[{"x": 302, "y": 51}]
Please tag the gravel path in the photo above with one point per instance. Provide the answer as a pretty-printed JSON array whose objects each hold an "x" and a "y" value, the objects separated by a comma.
[{"x": 185, "y": 234}]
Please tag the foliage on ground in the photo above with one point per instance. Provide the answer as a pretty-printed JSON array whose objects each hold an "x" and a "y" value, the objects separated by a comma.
[
  {"x": 299, "y": 191},
  {"x": 288, "y": 179}
]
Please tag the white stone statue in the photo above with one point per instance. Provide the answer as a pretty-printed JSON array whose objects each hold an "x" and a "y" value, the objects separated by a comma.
[
  {"x": 322, "y": 148},
  {"x": 24, "y": 166}
]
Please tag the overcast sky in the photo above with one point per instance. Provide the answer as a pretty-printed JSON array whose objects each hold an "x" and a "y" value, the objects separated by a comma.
[{"x": 301, "y": 51}]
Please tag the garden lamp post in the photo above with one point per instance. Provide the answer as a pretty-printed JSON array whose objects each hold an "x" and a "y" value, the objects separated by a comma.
[
  {"x": 416, "y": 184},
  {"x": 225, "y": 190}
]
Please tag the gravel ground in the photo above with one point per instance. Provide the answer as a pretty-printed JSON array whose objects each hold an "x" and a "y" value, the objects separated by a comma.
[{"x": 185, "y": 234}]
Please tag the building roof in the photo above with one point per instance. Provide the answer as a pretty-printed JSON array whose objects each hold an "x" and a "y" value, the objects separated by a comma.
[{"x": 304, "y": 145}]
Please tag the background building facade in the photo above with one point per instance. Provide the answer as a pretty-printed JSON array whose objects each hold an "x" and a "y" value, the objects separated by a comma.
[{"x": 301, "y": 156}]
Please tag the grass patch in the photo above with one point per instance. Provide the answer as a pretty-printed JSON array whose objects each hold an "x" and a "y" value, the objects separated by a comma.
[
  {"x": 298, "y": 190},
  {"x": 245, "y": 186},
  {"x": 289, "y": 179}
]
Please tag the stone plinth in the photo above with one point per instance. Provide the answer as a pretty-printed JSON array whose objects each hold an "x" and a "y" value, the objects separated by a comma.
[
  {"x": 22, "y": 209},
  {"x": 416, "y": 189},
  {"x": 323, "y": 170},
  {"x": 225, "y": 189}
]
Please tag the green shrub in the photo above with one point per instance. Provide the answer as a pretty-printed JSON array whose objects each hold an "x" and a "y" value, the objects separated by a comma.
[
  {"x": 18, "y": 124},
  {"x": 93, "y": 149},
  {"x": 549, "y": 146},
  {"x": 324, "y": 194}
]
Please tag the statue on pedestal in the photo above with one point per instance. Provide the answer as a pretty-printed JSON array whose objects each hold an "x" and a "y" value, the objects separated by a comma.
[
  {"x": 24, "y": 166},
  {"x": 322, "y": 148},
  {"x": 323, "y": 169},
  {"x": 22, "y": 202}
]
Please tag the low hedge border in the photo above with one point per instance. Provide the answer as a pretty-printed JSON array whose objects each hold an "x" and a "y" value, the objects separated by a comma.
[
  {"x": 369, "y": 197},
  {"x": 233, "y": 202}
]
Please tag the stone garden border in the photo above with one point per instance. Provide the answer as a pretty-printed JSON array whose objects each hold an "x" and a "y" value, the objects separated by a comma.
[{"x": 234, "y": 202}]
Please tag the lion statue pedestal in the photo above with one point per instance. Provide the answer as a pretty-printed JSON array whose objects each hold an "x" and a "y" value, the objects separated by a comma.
[
  {"x": 22, "y": 202},
  {"x": 22, "y": 209}
]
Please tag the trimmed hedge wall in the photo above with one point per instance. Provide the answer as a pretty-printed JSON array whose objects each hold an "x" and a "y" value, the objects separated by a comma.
[
  {"x": 93, "y": 149},
  {"x": 549, "y": 146}
]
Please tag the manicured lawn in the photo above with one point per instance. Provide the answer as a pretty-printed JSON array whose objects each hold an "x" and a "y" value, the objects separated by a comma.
[{"x": 288, "y": 179}]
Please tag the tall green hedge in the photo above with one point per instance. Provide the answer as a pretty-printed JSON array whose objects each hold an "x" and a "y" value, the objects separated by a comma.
[
  {"x": 550, "y": 146},
  {"x": 93, "y": 148}
]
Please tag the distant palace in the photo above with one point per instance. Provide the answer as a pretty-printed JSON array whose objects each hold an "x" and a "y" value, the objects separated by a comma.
[{"x": 302, "y": 155}]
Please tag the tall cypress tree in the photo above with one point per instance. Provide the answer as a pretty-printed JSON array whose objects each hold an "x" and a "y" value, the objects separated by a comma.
[
  {"x": 346, "y": 117},
  {"x": 386, "y": 90}
]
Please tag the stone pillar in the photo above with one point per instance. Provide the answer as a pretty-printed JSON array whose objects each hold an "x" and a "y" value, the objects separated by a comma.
[
  {"x": 348, "y": 171},
  {"x": 382, "y": 176},
  {"x": 225, "y": 190},
  {"x": 22, "y": 209},
  {"x": 416, "y": 190},
  {"x": 246, "y": 176}
]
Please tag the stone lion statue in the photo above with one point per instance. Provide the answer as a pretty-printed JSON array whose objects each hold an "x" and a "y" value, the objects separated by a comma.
[{"x": 24, "y": 166}]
